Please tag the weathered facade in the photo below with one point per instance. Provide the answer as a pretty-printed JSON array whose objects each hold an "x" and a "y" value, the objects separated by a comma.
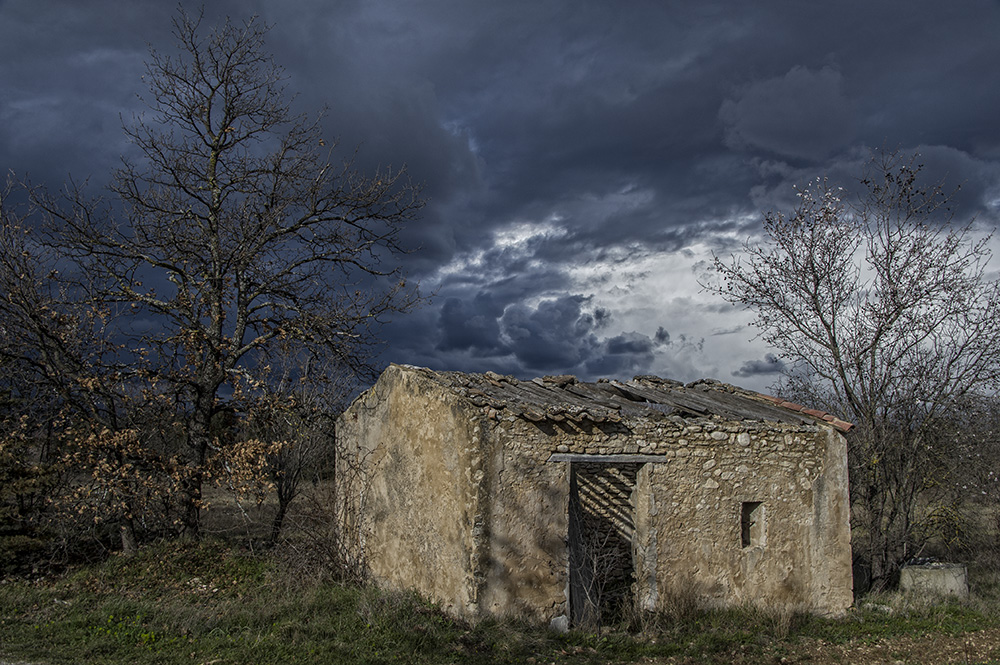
[{"x": 553, "y": 497}]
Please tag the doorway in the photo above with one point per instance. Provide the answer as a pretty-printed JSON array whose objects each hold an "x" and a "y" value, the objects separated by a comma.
[{"x": 602, "y": 506}]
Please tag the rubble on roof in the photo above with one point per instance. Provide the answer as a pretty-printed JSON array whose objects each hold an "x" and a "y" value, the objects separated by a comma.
[{"x": 564, "y": 397}]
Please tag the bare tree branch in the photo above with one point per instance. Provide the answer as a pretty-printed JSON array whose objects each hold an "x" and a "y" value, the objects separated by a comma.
[
  {"x": 232, "y": 232},
  {"x": 886, "y": 312}
]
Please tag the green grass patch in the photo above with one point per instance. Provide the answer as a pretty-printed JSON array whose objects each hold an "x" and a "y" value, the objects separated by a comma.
[{"x": 210, "y": 603}]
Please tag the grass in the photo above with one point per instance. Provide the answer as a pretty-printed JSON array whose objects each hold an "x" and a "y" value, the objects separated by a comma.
[
  {"x": 210, "y": 603},
  {"x": 207, "y": 603}
]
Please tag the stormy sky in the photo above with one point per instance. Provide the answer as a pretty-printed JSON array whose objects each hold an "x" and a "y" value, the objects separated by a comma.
[{"x": 582, "y": 160}]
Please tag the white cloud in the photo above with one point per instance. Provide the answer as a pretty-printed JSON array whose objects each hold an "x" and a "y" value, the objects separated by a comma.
[{"x": 637, "y": 290}]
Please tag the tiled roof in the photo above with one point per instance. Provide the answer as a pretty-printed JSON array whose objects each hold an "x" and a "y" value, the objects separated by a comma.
[
  {"x": 559, "y": 398},
  {"x": 842, "y": 425}
]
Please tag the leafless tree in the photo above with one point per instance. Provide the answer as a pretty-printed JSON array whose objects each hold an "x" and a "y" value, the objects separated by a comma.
[
  {"x": 293, "y": 413},
  {"x": 884, "y": 307},
  {"x": 232, "y": 232}
]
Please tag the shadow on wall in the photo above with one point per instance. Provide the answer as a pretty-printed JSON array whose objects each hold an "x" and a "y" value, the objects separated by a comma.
[
  {"x": 569, "y": 535},
  {"x": 602, "y": 544},
  {"x": 523, "y": 572}
]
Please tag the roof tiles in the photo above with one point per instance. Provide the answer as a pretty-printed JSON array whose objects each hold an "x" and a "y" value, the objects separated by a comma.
[{"x": 564, "y": 397}]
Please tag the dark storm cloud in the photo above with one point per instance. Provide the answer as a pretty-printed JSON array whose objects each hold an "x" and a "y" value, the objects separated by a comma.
[
  {"x": 473, "y": 325},
  {"x": 801, "y": 115},
  {"x": 623, "y": 355},
  {"x": 557, "y": 333},
  {"x": 602, "y": 134},
  {"x": 630, "y": 344},
  {"x": 63, "y": 83},
  {"x": 770, "y": 364},
  {"x": 971, "y": 183}
]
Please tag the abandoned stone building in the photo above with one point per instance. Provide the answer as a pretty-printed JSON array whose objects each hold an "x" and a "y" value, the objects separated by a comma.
[{"x": 556, "y": 498}]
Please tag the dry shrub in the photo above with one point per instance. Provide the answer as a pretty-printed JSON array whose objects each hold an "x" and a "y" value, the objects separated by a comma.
[
  {"x": 674, "y": 608},
  {"x": 321, "y": 545}
]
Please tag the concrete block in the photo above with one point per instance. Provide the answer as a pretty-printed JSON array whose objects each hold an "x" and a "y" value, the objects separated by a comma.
[
  {"x": 946, "y": 579},
  {"x": 560, "y": 624}
]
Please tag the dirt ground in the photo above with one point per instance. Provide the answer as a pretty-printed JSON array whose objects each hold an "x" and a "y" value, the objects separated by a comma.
[{"x": 974, "y": 647}]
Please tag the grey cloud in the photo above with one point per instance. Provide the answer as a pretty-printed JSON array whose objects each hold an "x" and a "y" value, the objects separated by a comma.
[
  {"x": 473, "y": 326},
  {"x": 630, "y": 343},
  {"x": 728, "y": 331},
  {"x": 770, "y": 364},
  {"x": 602, "y": 317},
  {"x": 801, "y": 115},
  {"x": 972, "y": 183},
  {"x": 623, "y": 355},
  {"x": 560, "y": 334},
  {"x": 642, "y": 130},
  {"x": 557, "y": 333}
]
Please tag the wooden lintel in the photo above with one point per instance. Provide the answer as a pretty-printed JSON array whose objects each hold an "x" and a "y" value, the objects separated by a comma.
[{"x": 608, "y": 459}]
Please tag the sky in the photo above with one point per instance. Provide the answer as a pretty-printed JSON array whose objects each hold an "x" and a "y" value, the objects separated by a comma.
[{"x": 582, "y": 160}]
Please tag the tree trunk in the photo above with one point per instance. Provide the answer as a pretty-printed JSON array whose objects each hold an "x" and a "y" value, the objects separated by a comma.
[
  {"x": 279, "y": 519},
  {"x": 128, "y": 536},
  {"x": 191, "y": 484},
  {"x": 191, "y": 506}
]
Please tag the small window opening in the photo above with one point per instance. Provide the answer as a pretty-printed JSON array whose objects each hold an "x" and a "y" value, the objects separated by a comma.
[{"x": 752, "y": 524}]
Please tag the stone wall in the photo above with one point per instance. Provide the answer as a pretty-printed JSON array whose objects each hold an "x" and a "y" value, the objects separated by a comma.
[
  {"x": 795, "y": 553},
  {"x": 688, "y": 509},
  {"x": 467, "y": 506},
  {"x": 419, "y": 491}
]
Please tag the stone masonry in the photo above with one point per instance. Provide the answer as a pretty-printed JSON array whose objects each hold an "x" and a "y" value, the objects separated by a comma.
[{"x": 553, "y": 498}]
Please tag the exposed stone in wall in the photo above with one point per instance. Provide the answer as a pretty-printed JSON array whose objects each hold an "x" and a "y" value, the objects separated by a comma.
[
  {"x": 711, "y": 467},
  {"x": 468, "y": 508}
]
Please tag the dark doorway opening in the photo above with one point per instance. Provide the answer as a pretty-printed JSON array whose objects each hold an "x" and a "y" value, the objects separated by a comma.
[{"x": 601, "y": 541}]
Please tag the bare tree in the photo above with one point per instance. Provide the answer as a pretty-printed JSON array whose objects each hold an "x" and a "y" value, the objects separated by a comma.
[
  {"x": 292, "y": 412},
  {"x": 234, "y": 231},
  {"x": 886, "y": 312}
]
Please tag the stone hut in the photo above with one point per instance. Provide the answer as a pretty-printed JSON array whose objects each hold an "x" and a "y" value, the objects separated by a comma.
[{"x": 556, "y": 499}]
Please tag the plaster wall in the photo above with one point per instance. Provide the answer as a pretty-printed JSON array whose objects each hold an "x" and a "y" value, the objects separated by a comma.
[{"x": 418, "y": 451}]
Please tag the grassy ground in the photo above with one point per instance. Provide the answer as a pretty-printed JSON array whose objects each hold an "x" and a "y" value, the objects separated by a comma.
[{"x": 211, "y": 604}]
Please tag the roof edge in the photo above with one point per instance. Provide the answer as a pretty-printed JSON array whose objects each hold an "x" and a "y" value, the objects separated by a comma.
[
  {"x": 562, "y": 381},
  {"x": 829, "y": 418}
]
